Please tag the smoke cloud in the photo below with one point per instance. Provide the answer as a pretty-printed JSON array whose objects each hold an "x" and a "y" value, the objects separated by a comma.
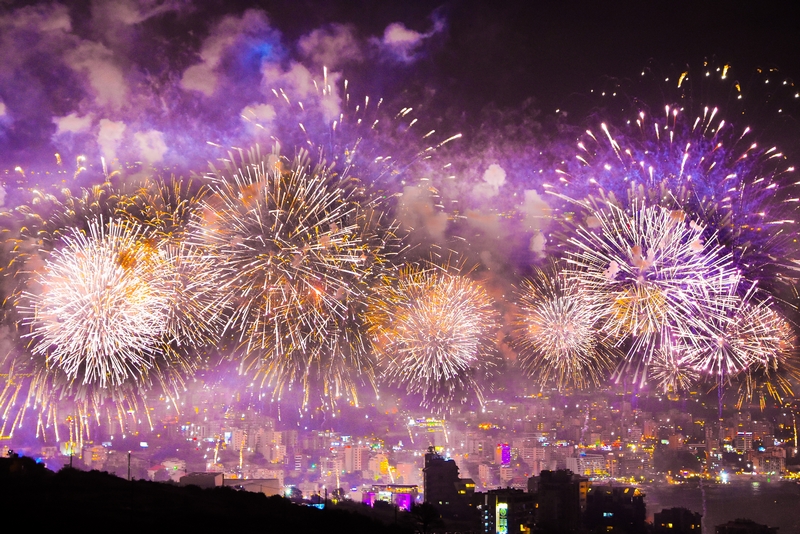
[{"x": 174, "y": 84}]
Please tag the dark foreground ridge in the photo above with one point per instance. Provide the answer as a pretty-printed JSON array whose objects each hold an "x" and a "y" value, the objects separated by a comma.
[{"x": 90, "y": 501}]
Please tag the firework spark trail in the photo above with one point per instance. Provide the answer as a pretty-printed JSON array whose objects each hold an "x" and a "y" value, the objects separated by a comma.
[
  {"x": 669, "y": 368},
  {"x": 165, "y": 205},
  {"x": 103, "y": 305},
  {"x": 652, "y": 270},
  {"x": 55, "y": 399},
  {"x": 433, "y": 330},
  {"x": 364, "y": 140},
  {"x": 293, "y": 261},
  {"x": 748, "y": 342},
  {"x": 774, "y": 371},
  {"x": 197, "y": 305},
  {"x": 556, "y": 332},
  {"x": 48, "y": 216}
]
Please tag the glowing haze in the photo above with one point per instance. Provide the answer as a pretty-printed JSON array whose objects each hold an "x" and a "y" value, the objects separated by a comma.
[{"x": 349, "y": 238}]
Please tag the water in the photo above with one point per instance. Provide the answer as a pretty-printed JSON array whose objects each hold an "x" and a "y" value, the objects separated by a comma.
[{"x": 775, "y": 504}]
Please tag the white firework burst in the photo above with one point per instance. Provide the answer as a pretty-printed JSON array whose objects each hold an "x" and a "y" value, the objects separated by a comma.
[
  {"x": 103, "y": 305},
  {"x": 652, "y": 270}
]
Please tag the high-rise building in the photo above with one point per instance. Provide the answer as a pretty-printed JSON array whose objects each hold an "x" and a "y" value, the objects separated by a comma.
[
  {"x": 629, "y": 463},
  {"x": 712, "y": 437},
  {"x": 355, "y": 458},
  {"x": 502, "y": 454},
  {"x": 561, "y": 496},
  {"x": 743, "y": 441},
  {"x": 771, "y": 460},
  {"x": 443, "y": 488},
  {"x": 532, "y": 452},
  {"x": 378, "y": 464},
  {"x": 485, "y": 474},
  {"x": 440, "y": 477},
  {"x": 238, "y": 439},
  {"x": 506, "y": 474}
]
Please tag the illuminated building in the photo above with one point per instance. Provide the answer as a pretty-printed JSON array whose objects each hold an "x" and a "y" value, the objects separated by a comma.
[
  {"x": 532, "y": 453},
  {"x": 743, "y": 441},
  {"x": 465, "y": 487},
  {"x": 629, "y": 463},
  {"x": 587, "y": 464},
  {"x": 504, "y": 511},
  {"x": 635, "y": 434},
  {"x": 379, "y": 465},
  {"x": 94, "y": 457},
  {"x": 355, "y": 457},
  {"x": 400, "y": 495},
  {"x": 268, "y": 442},
  {"x": 770, "y": 460},
  {"x": 502, "y": 454},
  {"x": 506, "y": 474},
  {"x": 712, "y": 438},
  {"x": 331, "y": 466},
  {"x": 677, "y": 521},
  {"x": 476, "y": 443},
  {"x": 485, "y": 474},
  {"x": 650, "y": 429}
]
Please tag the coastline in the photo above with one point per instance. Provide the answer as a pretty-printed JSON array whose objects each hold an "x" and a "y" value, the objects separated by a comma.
[{"x": 773, "y": 503}]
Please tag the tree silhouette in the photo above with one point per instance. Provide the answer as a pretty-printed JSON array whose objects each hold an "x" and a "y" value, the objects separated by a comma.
[{"x": 426, "y": 517}]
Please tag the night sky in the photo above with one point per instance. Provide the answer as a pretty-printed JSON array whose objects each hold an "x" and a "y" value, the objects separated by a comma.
[{"x": 125, "y": 62}]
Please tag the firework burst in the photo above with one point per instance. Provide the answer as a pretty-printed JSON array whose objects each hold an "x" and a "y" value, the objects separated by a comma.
[
  {"x": 135, "y": 297},
  {"x": 103, "y": 305},
  {"x": 651, "y": 270},
  {"x": 704, "y": 160},
  {"x": 556, "y": 332},
  {"x": 35, "y": 227},
  {"x": 103, "y": 329},
  {"x": 775, "y": 370},
  {"x": 748, "y": 342},
  {"x": 164, "y": 208},
  {"x": 293, "y": 260},
  {"x": 433, "y": 330}
]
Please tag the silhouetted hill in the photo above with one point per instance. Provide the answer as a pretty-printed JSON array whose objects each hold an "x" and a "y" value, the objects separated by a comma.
[{"x": 90, "y": 501}]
